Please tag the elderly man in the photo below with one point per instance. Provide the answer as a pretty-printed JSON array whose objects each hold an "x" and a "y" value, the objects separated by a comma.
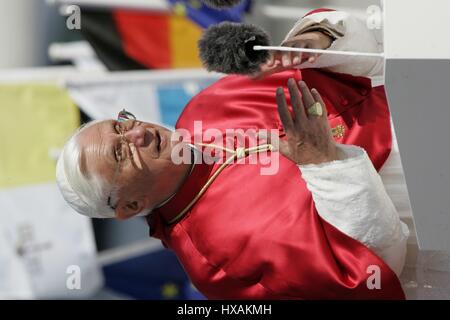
[{"x": 320, "y": 226}]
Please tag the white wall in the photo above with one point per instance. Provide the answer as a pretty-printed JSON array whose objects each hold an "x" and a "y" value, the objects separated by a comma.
[
  {"x": 25, "y": 32},
  {"x": 422, "y": 33}
]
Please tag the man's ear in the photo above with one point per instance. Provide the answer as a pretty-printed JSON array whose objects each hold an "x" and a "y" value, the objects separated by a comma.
[{"x": 128, "y": 209}]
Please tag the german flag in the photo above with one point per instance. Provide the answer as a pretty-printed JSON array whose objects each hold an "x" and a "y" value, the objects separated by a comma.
[{"x": 136, "y": 39}]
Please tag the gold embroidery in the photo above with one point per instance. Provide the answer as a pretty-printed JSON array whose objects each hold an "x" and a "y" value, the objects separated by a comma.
[{"x": 338, "y": 131}]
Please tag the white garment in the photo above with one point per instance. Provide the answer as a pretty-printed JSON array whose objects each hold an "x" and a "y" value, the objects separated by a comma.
[
  {"x": 351, "y": 34},
  {"x": 349, "y": 193}
]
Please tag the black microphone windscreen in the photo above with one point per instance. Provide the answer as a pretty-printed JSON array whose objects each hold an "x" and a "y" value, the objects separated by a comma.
[{"x": 228, "y": 48}]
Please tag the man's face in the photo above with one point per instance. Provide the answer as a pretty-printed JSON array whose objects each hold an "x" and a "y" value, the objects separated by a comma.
[{"x": 138, "y": 162}]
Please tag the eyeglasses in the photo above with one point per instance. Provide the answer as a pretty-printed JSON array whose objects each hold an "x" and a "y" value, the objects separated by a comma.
[{"x": 125, "y": 122}]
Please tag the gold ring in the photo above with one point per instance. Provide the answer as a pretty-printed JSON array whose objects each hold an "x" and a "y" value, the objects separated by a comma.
[{"x": 315, "y": 110}]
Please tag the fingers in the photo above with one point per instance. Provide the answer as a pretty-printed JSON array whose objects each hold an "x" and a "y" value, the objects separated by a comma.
[
  {"x": 286, "y": 59},
  {"x": 301, "y": 55},
  {"x": 302, "y": 41},
  {"x": 298, "y": 56},
  {"x": 313, "y": 57},
  {"x": 279, "y": 60},
  {"x": 291, "y": 59},
  {"x": 274, "y": 59},
  {"x": 296, "y": 101},
  {"x": 283, "y": 110},
  {"x": 271, "y": 60},
  {"x": 308, "y": 99},
  {"x": 300, "y": 104}
]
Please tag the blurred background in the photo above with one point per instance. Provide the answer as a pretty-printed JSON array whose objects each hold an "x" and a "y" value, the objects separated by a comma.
[{"x": 64, "y": 63}]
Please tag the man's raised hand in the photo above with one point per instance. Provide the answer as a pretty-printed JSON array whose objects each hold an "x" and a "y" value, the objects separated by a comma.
[{"x": 309, "y": 139}]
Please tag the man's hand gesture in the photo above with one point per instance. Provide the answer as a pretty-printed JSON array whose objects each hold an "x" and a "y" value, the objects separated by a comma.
[{"x": 309, "y": 139}]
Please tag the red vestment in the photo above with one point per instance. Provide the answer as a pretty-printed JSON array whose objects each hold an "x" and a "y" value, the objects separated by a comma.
[{"x": 253, "y": 236}]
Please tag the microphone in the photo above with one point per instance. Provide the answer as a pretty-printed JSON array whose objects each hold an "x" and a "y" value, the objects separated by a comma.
[
  {"x": 228, "y": 48},
  {"x": 221, "y": 4}
]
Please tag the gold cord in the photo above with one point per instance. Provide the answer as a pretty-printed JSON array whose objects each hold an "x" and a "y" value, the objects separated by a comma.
[{"x": 239, "y": 153}]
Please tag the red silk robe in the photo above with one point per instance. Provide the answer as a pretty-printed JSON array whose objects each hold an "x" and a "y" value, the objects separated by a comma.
[{"x": 253, "y": 236}]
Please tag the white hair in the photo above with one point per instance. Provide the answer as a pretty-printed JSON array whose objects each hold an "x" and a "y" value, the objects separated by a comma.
[{"x": 86, "y": 195}]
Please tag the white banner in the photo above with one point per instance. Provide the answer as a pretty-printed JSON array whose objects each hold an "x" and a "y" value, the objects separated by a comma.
[{"x": 46, "y": 249}]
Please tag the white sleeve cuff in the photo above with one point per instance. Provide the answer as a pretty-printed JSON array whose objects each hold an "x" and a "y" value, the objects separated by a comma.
[
  {"x": 350, "y": 195},
  {"x": 349, "y": 155}
]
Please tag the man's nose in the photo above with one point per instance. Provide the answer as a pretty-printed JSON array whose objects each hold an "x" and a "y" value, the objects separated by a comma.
[{"x": 137, "y": 136}]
